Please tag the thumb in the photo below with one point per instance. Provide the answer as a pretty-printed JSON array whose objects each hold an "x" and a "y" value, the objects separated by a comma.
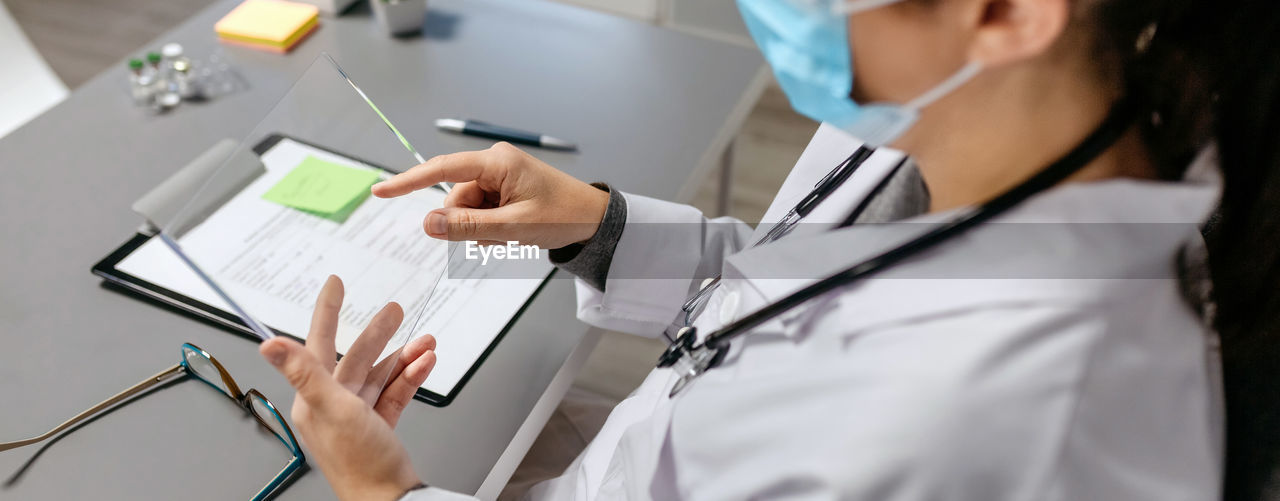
[
  {"x": 458, "y": 224},
  {"x": 303, "y": 371}
]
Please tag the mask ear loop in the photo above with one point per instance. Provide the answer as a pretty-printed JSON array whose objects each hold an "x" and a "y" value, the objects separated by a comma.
[
  {"x": 849, "y": 7},
  {"x": 947, "y": 86}
]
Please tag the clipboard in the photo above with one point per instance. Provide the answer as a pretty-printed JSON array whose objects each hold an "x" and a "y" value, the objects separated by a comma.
[{"x": 184, "y": 188}]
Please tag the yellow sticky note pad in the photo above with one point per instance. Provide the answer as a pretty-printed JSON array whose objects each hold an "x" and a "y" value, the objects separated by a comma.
[
  {"x": 274, "y": 23},
  {"x": 323, "y": 188}
]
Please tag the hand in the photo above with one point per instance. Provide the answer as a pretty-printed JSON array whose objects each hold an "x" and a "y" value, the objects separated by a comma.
[
  {"x": 504, "y": 194},
  {"x": 344, "y": 413}
]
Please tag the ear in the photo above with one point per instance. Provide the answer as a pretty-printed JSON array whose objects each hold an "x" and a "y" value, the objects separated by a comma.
[{"x": 1009, "y": 31}]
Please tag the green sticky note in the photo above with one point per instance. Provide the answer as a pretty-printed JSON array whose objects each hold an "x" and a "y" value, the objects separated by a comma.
[
  {"x": 323, "y": 188},
  {"x": 342, "y": 214}
]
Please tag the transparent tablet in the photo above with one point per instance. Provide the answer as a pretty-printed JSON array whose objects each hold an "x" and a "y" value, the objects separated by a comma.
[{"x": 290, "y": 205}]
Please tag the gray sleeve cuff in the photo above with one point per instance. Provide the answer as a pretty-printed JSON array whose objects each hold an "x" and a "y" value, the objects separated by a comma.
[{"x": 590, "y": 261}]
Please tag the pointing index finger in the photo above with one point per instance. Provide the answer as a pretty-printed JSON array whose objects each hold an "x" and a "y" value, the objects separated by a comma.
[{"x": 452, "y": 168}]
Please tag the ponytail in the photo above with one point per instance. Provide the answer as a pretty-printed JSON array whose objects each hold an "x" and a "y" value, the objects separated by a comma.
[
  {"x": 1211, "y": 70},
  {"x": 1244, "y": 242}
]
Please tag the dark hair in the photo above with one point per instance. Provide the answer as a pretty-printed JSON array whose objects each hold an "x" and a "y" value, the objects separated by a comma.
[{"x": 1211, "y": 72}]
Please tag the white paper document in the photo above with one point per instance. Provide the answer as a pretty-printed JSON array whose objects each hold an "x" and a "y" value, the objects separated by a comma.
[{"x": 272, "y": 260}]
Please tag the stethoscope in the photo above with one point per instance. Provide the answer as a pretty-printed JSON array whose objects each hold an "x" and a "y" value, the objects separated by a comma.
[
  {"x": 823, "y": 189},
  {"x": 690, "y": 358}
]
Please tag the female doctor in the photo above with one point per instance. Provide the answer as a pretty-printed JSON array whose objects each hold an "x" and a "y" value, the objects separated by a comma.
[{"x": 957, "y": 357}]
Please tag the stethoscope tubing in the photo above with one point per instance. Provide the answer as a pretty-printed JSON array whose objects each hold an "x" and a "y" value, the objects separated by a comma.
[
  {"x": 821, "y": 190},
  {"x": 1106, "y": 134}
]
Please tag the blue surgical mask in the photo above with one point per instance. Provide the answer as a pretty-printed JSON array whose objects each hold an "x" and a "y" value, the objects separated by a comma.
[{"x": 806, "y": 43}]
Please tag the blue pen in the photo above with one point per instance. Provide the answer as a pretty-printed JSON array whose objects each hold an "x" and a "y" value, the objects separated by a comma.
[{"x": 487, "y": 130}]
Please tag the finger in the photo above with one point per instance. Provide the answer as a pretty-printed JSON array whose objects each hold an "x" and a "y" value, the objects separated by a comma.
[
  {"x": 411, "y": 351},
  {"x": 304, "y": 372},
  {"x": 355, "y": 365},
  {"x": 458, "y": 224},
  {"x": 467, "y": 195},
  {"x": 401, "y": 389},
  {"x": 324, "y": 322},
  {"x": 377, "y": 376},
  {"x": 391, "y": 367},
  {"x": 455, "y": 168}
]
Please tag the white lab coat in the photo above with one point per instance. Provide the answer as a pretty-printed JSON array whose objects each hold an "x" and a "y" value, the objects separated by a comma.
[{"x": 958, "y": 374}]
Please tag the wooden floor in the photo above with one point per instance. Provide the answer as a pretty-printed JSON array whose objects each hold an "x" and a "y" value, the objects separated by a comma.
[{"x": 80, "y": 38}]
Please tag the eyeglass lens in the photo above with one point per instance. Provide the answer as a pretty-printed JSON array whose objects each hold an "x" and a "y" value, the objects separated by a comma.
[
  {"x": 204, "y": 369},
  {"x": 267, "y": 413}
]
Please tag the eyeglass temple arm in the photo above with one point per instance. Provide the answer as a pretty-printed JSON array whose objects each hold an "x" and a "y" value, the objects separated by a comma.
[{"x": 119, "y": 397}]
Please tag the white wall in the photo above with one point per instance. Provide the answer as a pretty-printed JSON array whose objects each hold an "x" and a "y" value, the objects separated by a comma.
[{"x": 27, "y": 85}]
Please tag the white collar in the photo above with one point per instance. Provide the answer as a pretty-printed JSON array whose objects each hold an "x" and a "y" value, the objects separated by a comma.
[{"x": 779, "y": 268}]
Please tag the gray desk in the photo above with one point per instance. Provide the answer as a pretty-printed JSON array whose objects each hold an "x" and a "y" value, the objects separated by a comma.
[{"x": 653, "y": 110}]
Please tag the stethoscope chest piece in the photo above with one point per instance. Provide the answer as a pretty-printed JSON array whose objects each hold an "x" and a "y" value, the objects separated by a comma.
[{"x": 689, "y": 358}]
